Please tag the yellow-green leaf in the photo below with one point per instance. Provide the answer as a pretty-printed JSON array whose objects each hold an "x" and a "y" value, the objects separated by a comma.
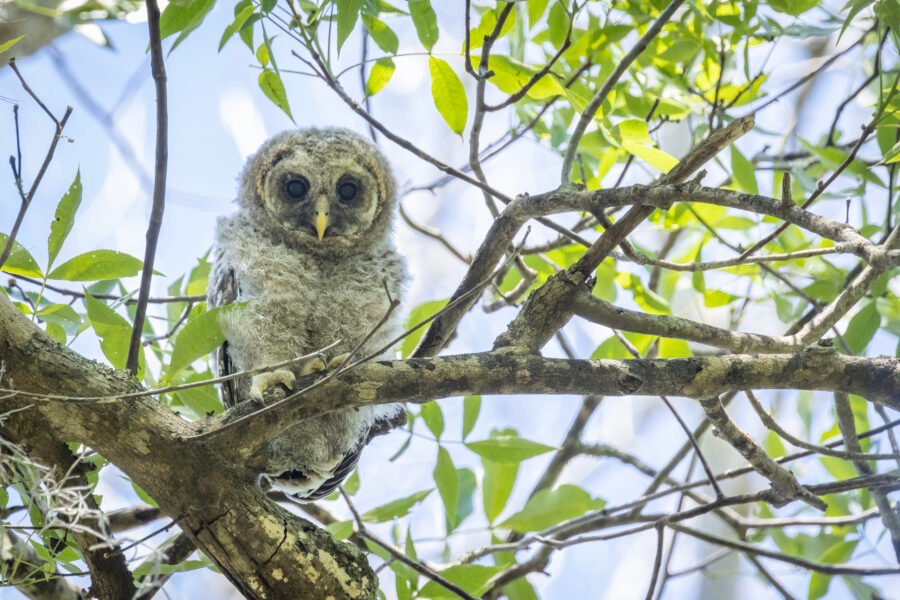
[
  {"x": 395, "y": 509},
  {"x": 471, "y": 578},
  {"x": 447, "y": 481},
  {"x": 97, "y": 265},
  {"x": 9, "y": 44},
  {"x": 549, "y": 507},
  {"x": 471, "y": 408},
  {"x": 449, "y": 94},
  {"x": 63, "y": 219},
  {"x": 347, "y": 15},
  {"x": 379, "y": 76},
  {"x": 271, "y": 85},
  {"x": 434, "y": 418},
  {"x": 114, "y": 332},
  {"x": 507, "y": 449},
  {"x": 20, "y": 261},
  {"x": 383, "y": 35},
  {"x": 425, "y": 21},
  {"x": 652, "y": 156},
  {"x": 744, "y": 172},
  {"x": 200, "y": 335},
  {"x": 416, "y": 316}
]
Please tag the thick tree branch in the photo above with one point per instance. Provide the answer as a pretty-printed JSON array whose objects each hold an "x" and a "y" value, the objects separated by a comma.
[
  {"x": 265, "y": 551},
  {"x": 423, "y": 380}
]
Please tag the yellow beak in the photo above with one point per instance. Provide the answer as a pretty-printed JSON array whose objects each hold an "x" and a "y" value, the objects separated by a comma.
[{"x": 321, "y": 223}]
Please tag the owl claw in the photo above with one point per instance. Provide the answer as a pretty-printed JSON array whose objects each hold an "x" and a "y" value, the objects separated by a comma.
[
  {"x": 264, "y": 381},
  {"x": 313, "y": 365},
  {"x": 338, "y": 360}
]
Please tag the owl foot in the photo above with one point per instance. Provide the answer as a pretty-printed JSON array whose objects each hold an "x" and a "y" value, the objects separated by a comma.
[
  {"x": 313, "y": 365},
  {"x": 264, "y": 381},
  {"x": 338, "y": 360}
]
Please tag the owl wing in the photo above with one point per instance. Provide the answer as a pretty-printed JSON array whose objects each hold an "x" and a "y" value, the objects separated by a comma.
[
  {"x": 350, "y": 459},
  {"x": 224, "y": 290}
]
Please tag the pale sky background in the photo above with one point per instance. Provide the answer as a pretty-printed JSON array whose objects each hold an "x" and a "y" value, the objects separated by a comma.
[{"x": 218, "y": 117}]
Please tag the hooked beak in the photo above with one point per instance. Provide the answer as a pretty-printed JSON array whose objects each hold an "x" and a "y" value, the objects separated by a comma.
[
  {"x": 321, "y": 216},
  {"x": 321, "y": 223}
]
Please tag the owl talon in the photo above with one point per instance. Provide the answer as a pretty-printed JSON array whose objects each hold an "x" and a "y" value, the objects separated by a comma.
[
  {"x": 314, "y": 365},
  {"x": 264, "y": 381},
  {"x": 338, "y": 360}
]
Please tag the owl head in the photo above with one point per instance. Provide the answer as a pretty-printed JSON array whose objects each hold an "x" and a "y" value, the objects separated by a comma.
[{"x": 328, "y": 190}]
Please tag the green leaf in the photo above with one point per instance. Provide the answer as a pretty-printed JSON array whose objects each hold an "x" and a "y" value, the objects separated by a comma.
[
  {"x": 347, "y": 15},
  {"x": 466, "y": 483},
  {"x": 536, "y": 9},
  {"x": 434, "y": 418},
  {"x": 395, "y": 509},
  {"x": 862, "y": 328},
  {"x": 62, "y": 315},
  {"x": 793, "y": 7},
  {"x": 183, "y": 19},
  {"x": 744, "y": 172},
  {"x": 558, "y": 23},
  {"x": 425, "y": 21},
  {"x": 20, "y": 261},
  {"x": 200, "y": 335},
  {"x": 203, "y": 400},
  {"x": 63, "y": 219},
  {"x": 242, "y": 11},
  {"x": 471, "y": 578},
  {"x": 471, "y": 408},
  {"x": 508, "y": 449},
  {"x": 380, "y": 75},
  {"x": 486, "y": 27},
  {"x": 636, "y": 140},
  {"x": 448, "y": 94},
  {"x": 510, "y": 76},
  {"x": 653, "y": 156},
  {"x": 340, "y": 530},
  {"x": 56, "y": 332},
  {"x": 9, "y": 44},
  {"x": 889, "y": 13},
  {"x": 113, "y": 330},
  {"x": 837, "y": 554},
  {"x": 497, "y": 486},
  {"x": 351, "y": 485},
  {"x": 272, "y": 86},
  {"x": 262, "y": 55},
  {"x": 97, "y": 265},
  {"x": 416, "y": 316},
  {"x": 549, "y": 507},
  {"x": 383, "y": 35},
  {"x": 447, "y": 481}
]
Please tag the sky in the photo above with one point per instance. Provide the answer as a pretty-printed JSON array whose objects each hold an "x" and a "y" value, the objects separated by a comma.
[{"x": 218, "y": 117}]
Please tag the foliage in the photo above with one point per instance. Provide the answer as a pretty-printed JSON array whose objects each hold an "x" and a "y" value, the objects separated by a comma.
[{"x": 538, "y": 64}]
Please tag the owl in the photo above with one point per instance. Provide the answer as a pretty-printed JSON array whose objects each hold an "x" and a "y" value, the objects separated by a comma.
[{"x": 309, "y": 257}]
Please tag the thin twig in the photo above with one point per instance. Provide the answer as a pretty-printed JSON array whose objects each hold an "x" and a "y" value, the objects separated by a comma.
[
  {"x": 611, "y": 80},
  {"x": 158, "y": 68}
]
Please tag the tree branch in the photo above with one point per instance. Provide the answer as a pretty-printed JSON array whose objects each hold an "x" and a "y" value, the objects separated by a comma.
[{"x": 158, "y": 68}]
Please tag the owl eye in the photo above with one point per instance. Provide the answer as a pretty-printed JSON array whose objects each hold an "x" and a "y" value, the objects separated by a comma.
[
  {"x": 296, "y": 188},
  {"x": 347, "y": 191}
]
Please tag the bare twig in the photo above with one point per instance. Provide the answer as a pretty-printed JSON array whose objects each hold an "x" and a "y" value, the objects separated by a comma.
[
  {"x": 158, "y": 68},
  {"x": 27, "y": 198}
]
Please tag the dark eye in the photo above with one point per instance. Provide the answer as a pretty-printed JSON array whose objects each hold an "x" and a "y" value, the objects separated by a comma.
[
  {"x": 347, "y": 190},
  {"x": 296, "y": 188}
]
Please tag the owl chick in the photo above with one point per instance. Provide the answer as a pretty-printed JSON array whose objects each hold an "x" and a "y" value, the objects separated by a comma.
[{"x": 309, "y": 254}]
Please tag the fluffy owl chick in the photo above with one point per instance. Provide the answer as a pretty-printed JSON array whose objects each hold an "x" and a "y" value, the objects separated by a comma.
[{"x": 309, "y": 254}]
